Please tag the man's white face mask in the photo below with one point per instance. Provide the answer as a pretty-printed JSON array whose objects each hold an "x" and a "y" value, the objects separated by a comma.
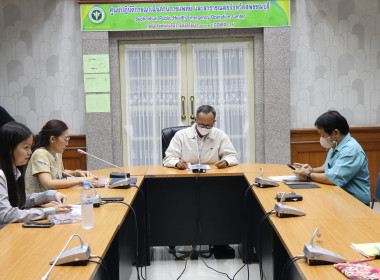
[{"x": 203, "y": 131}]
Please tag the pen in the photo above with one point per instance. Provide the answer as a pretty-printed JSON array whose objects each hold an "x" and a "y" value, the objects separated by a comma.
[
  {"x": 363, "y": 260},
  {"x": 54, "y": 202}
]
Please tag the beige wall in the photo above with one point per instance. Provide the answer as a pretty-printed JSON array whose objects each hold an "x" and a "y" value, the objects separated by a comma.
[
  {"x": 41, "y": 62},
  {"x": 335, "y": 61}
]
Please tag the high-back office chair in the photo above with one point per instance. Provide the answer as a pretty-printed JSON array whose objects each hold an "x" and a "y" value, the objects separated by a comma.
[
  {"x": 377, "y": 191},
  {"x": 167, "y": 135}
]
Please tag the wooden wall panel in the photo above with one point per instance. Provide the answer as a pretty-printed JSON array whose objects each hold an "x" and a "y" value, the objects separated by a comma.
[
  {"x": 305, "y": 148},
  {"x": 73, "y": 160}
]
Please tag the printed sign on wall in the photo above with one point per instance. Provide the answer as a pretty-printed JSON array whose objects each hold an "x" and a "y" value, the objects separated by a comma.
[{"x": 182, "y": 15}]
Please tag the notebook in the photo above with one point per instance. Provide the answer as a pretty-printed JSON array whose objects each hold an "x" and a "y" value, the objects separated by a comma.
[{"x": 367, "y": 249}]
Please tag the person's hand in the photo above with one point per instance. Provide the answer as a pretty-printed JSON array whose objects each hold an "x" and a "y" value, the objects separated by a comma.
[
  {"x": 302, "y": 166},
  {"x": 301, "y": 173},
  {"x": 92, "y": 180},
  {"x": 182, "y": 164},
  {"x": 81, "y": 173},
  {"x": 221, "y": 164},
  {"x": 60, "y": 198},
  {"x": 62, "y": 208},
  {"x": 96, "y": 182}
]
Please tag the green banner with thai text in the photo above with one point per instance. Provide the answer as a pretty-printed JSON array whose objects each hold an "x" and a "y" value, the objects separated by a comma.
[{"x": 183, "y": 15}]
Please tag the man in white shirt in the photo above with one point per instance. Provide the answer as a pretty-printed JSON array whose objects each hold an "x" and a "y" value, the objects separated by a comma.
[
  {"x": 201, "y": 143},
  {"x": 205, "y": 144}
]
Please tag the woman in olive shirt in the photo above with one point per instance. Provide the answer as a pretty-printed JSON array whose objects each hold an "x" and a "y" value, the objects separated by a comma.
[{"x": 49, "y": 144}]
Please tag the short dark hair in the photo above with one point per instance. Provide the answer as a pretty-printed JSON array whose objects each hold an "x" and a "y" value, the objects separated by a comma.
[
  {"x": 51, "y": 128},
  {"x": 12, "y": 134},
  {"x": 205, "y": 109},
  {"x": 332, "y": 120}
]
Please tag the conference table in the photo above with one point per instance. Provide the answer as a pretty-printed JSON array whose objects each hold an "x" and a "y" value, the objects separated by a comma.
[
  {"x": 341, "y": 220},
  {"x": 175, "y": 205}
]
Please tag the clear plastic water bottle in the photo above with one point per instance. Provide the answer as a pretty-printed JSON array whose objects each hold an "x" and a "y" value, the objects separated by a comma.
[{"x": 87, "y": 206}]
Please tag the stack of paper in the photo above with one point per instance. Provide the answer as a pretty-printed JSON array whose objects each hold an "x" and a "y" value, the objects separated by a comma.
[
  {"x": 367, "y": 249},
  {"x": 283, "y": 178}
]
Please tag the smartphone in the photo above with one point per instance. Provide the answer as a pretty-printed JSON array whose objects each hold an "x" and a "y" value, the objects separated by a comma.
[
  {"x": 113, "y": 198},
  {"x": 119, "y": 175},
  {"x": 290, "y": 197},
  {"x": 291, "y": 167},
  {"x": 38, "y": 224}
]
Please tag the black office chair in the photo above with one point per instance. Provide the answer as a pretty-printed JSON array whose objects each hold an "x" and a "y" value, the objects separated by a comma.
[
  {"x": 377, "y": 191},
  {"x": 167, "y": 135}
]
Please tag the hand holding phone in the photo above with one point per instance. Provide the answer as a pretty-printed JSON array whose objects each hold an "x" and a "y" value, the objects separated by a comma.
[{"x": 291, "y": 167}]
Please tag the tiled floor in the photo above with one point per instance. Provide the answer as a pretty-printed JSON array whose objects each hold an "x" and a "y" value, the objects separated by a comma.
[{"x": 164, "y": 266}]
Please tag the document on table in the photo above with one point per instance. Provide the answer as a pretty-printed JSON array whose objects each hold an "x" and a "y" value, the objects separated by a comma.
[
  {"x": 66, "y": 218},
  {"x": 367, "y": 249},
  {"x": 103, "y": 182},
  {"x": 282, "y": 178},
  {"x": 76, "y": 210},
  {"x": 197, "y": 166}
]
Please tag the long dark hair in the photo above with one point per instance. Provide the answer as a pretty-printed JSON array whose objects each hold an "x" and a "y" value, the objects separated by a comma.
[
  {"x": 11, "y": 134},
  {"x": 51, "y": 128}
]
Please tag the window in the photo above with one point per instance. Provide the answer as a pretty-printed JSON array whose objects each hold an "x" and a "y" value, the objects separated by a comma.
[{"x": 164, "y": 82}]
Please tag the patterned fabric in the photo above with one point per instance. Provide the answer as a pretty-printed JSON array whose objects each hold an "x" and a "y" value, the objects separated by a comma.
[{"x": 361, "y": 270}]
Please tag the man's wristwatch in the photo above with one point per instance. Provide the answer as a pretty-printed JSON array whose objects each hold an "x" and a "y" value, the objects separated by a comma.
[{"x": 308, "y": 177}]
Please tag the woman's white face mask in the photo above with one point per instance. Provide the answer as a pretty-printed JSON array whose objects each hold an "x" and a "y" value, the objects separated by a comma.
[{"x": 325, "y": 142}]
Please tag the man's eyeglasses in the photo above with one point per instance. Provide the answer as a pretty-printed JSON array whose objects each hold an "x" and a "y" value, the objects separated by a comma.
[
  {"x": 66, "y": 139},
  {"x": 205, "y": 126}
]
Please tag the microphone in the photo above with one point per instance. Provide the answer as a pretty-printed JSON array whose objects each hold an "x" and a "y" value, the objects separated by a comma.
[
  {"x": 265, "y": 183},
  {"x": 122, "y": 184},
  {"x": 198, "y": 168},
  {"x": 95, "y": 199},
  {"x": 77, "y": 255},
  {"x": 284, "y": 211},
  {"x": 316, "y": 255}
]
